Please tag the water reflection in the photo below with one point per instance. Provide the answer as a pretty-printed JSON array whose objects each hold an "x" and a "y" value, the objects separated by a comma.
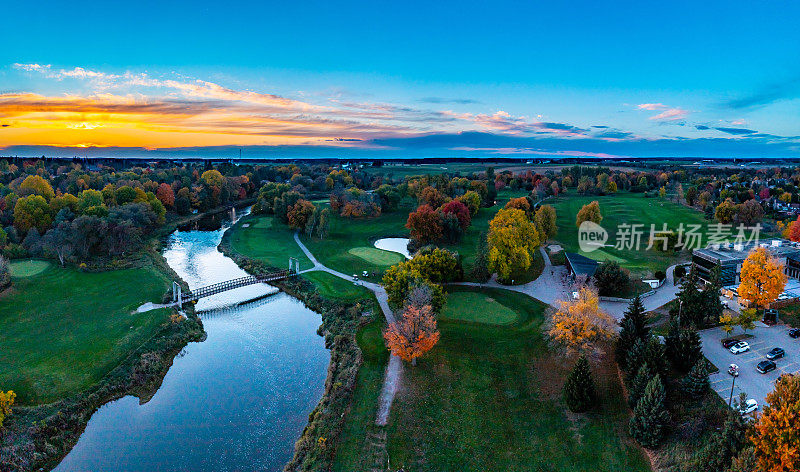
[{"x": 236, "y": 401}]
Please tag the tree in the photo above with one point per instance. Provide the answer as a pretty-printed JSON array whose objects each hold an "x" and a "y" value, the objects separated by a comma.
[
  {"x": 413, "y": 334},
  {"x": 323, "y": 225},
  {"x": 213, "y": 178},
  {"x": 762, "y": 278},
  {"x": 579, "y": 392},
  {"x": 728, "y": 321},
  {"x": 425, "y": 224},
  {"x": 611, "y": 279},
  {"x": 545, "y": 220},
  {"x": 512, "y": 242},
  {"x": 589, "y": 212},
  {"x": 480, "y": 269},
  {"x": 650, "y": 417},
  {"x": 776, "y": 435},
  {"x": 57, "y": 241},
  {"x": 747, "y": 319},
  {"x": 633, "y": 328},
  {"x": 166, "y": 195},
  {"x": 36, "y": 185},
  {"x": 520, "y": 203},
  {"x": 691, "y": 196},
  {"x": 726, "y": 211},
  {"x": 580, "y": 325},
  {"x": 32, "y": 212},
  {"x": 472, "y": 200},
  {"x": 750, "y": 213},
  {"x": 435, "y": 266},
  {"x": 5, "y": 273},
  {"x": 6, "y": 402},
  {"x": 696, "y": 384},
  {"x": 299, "y": 214},
  {"x": 461, "y": 212},
  {"x": 639, "y": 384},
  {"x": 683, "y": 347},
  {"x": 723, "y": 446}
]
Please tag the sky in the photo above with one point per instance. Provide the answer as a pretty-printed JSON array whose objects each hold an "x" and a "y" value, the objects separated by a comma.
[{"x": 401, "y": 79}]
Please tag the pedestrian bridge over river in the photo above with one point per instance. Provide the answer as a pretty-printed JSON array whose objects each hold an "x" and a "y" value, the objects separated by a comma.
[{"x": 179, "y": 297}]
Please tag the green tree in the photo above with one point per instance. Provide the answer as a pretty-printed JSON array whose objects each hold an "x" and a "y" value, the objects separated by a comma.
[
  {"x": 32, "y": 212},
  {"x": 634, "y": 326},
  {"x": 650, "y": 417},
  {"x": 579, "y": 391},
  {"x": 636, "y": 391},
  {"x": 611, "y": 279},
  {"x": 36, "y": 185},
  {"x": 480, "y": 269},
  {"x": 722, "y": 446},
  {"x": 683, "y": 347},
  {"x": 696, "y": 384}
]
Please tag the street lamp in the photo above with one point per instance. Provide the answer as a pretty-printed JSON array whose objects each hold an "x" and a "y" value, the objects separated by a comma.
[{"x": 730, "y": 399}]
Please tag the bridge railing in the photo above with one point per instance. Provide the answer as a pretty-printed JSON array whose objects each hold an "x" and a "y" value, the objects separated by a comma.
[{"x": 213, "y": 289}]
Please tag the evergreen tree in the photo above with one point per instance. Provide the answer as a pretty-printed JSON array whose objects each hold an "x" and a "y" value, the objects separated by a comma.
[
  {"x": 695, "y": 384},
  {"x": 634, "y": 359},
  {"x": 672, "y": 340},
  {"x": 689, "y": 350},
  {"x": 634, "y": 326},
  {"x": 579, "y": 392},
  {"x": 712, "y": 306},
  {"x": 639, "y": 384},
  {"x": 480, "y": 271},
  {"x": 724, "y": 445},
  {"x": 691, "y": 306},
  {"x": 650, "y": 417},
  {"x": 656, "y": 358}
]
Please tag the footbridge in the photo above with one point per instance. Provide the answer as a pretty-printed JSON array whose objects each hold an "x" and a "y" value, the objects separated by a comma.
[{"x": 179, "y": 297}]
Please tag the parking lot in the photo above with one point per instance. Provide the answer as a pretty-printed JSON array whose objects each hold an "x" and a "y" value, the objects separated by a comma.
[{"x": 763, "y": 339}]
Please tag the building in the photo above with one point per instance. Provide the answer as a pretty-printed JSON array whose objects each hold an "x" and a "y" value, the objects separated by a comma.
[
  {"x": 579, "y": 265},
  {"x": 729, "y": 258}
]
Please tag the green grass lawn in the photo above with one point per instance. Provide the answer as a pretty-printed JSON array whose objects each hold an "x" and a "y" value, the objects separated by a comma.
[
  {"x": 20, "y": 269},
  {"x": 61, "y": 330},
  {"x": 333, "y": 287},
  {"x": 461, "y": 307},
  {"x": 267, "y": 240},
  {"x": 629, "y": 208},
  {"x": 377, "y": 256},
  {"x": 487, "y": 397}
]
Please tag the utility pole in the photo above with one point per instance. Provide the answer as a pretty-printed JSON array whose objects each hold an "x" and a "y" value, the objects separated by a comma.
[{"x": 730, "y": 399}]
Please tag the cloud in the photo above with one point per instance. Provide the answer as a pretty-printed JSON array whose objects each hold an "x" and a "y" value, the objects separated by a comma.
[
  {"x": 672, "y": 114},
  {"x": 736, "y": 131},
  {"x": 766, "y": 95},
  {"x": 651, "y": 106},
  {"x": 702, "y": 127}
]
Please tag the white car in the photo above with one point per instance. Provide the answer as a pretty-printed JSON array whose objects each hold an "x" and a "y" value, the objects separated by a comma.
[
  {"x": 748, "y": 407},
  {"x": 740, "y": 347}
]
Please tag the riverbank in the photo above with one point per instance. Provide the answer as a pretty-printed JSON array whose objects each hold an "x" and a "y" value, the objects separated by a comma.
[
  {"x": 37, "y": 437},
  {"x": 316, "y": 447}
]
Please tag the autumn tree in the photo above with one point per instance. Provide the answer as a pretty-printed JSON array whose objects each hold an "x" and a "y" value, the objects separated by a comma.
[
  {"x": 750, "y": 213},
  {"x": 32, "y": 212},
  {"x": 512, "y": 241},
  {"x": 166, "y": 195},
  {"x": 425, "y": 224},
  {"x": 6, "y": 402},
  {"x": 520, "y": 203},
  {"x": 413, "y": 333},
  {"x": 726, "y": 211},
  {"x": 776, "y": 435},
  {"x": 299, "y": 214},
  {"x": 461, "y": 212},
  {"x": 545, "y": 220},
  {"x": 589, "y": 212},
  {"x": 579, "y": 391},
  {"x": 762, "y": 278},
  {"x": 472, "y": 200},
  {"x": 36, "y": 185},
  {"x": 579, "y": 325}
]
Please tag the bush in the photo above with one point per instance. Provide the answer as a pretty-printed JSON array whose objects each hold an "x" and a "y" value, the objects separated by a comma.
[
  {"x": 679, "y": 272},
  {"x": 611, "y": 279}
]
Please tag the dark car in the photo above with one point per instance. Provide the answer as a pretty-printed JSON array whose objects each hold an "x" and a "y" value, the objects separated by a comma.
[
  {"x": 766, "y": 366},
  {"x": 728, "y": 343},
  {"x": 794, "y": 333},
  {"x": 775, "y": 353}
]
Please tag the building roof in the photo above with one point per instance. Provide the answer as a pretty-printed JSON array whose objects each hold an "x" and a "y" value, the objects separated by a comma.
[
  {"x": 730, "y": 252},
  {"x": 581, "y": 265}
]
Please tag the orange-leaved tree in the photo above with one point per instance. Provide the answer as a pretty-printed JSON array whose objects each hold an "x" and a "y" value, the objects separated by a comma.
[
  {"x": 762, "y": 278},
  {"x": 579, "y": 324},
  {"x": 776, "y": 435},
  {"x": 413, "y": 334}
]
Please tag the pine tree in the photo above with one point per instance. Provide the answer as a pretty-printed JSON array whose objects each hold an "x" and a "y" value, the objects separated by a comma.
[
  {"x": 650, "y": 417},
  {"x": 579, "y": 392},
  {"x": 723, "y": 446},
  {"x": 634, "y": 326},
  {"x": 656, "y": 358},
  {"x": 691, "y": 350},
  {"x": 635, "y": 359},
  {"x": 480, "y": 270},
  {"x": 672, "y": 340},
  {"x": 639, "y": 384},
  {"x": 695, "y": 384}
]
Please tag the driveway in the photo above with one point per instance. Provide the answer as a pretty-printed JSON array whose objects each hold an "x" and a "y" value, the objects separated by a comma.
[{"x": 755, "y": 384}]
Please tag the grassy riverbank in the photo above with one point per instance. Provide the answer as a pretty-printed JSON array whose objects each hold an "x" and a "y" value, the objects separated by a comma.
[{"x": 487, "y": 397}]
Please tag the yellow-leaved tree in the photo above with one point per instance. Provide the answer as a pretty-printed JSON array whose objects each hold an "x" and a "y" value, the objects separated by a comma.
[
  {"x": 6, "y": 402},
  {"x": 578, "y": 325},
  {"x": 762, "y": 278},
  {"x": 589, "y": 212},
  {"x": 776, "y": 435},
  {"x": 512, "y": 241}
]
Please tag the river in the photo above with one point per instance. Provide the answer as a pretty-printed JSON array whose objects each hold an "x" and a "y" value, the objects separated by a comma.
[{"x": 234, "y": 402}]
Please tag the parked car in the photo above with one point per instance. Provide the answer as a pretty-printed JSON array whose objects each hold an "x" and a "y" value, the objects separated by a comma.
[
  {"x": 740, "y": 347},
  {"x": 749, "y": 406},
  {"x": 794, "y": 333},
  {"x": 733, "y": 370},
  {"x": 766, "y": 366},
  {"x": 728, "y": 343},
  {"x": 775, "y": 353}
]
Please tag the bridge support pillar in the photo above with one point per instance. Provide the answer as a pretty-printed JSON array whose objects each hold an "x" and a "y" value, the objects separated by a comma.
[
  {"x": 177, "y": 295},
  {"x": 294, "y": 265}
]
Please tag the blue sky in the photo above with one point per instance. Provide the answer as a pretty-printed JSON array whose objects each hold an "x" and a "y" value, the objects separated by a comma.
[{"x": 712, "y": 79}]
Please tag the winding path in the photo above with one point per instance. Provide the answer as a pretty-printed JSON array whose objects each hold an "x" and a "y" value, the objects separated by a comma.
[{"x": 394, "y": 369}]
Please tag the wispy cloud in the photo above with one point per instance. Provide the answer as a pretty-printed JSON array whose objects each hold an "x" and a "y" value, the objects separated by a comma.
[
  {"x": 766, "y": 95},
  {"x": 651, "y": 106},
  {"x": 672, "y": 114}
]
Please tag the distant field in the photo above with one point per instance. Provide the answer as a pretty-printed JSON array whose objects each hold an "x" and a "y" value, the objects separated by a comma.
[
  {"x": 267, "y": 240},
  {"x": 630, "y": 209},
  {"x": 61, "y": 330},
  {"x": 487, "y": 397},
  {"x": 402, "y": 171}
]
